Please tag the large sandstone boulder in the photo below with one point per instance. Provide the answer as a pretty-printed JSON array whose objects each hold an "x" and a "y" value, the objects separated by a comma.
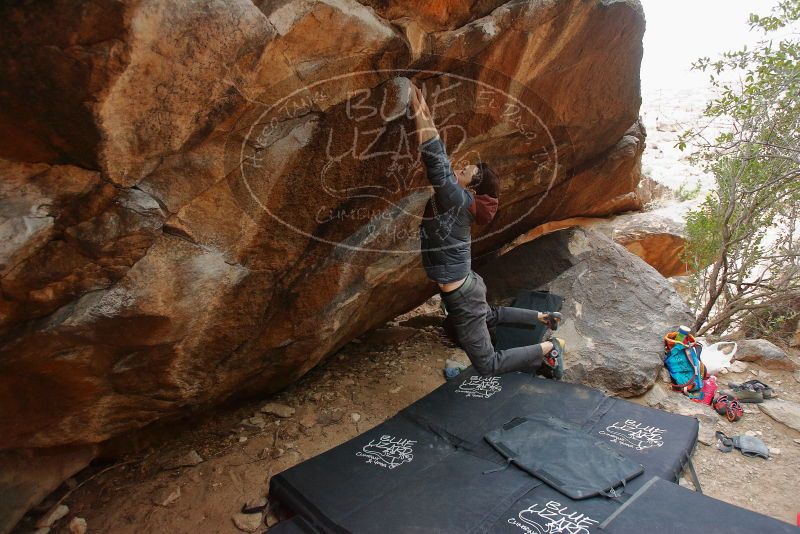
[
  {"x": 656, "y": 238},
  {"x": 202, "y": 199},
  {"x": 616, "y": 307},
  {"x": 28, "y": 475},
  {"x": 764, "y": 352}
]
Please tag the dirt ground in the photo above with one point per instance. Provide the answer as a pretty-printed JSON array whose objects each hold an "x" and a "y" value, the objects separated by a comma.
[{"x": 368, "y": 381}]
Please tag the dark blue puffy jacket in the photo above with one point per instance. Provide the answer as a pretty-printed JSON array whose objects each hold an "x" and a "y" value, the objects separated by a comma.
[{"x": 445, "y": 236}]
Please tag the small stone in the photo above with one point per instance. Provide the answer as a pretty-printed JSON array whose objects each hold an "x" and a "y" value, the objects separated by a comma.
[
  {"x": 43, "y": 530},
  {"x": 395, "y": 390},
  {"x": 189, "y": 459},
  {"x": 738, "y": 367},
  {"x": 754, "y": 372},
  {"x": 334, "y": 416},
  {"x": 167, "y": 496},
  {"x": 242, "y": 439},
  {"x": 797, "y": 441},
  {"x": 775, "y": 451},
  {"x": 750, "y": 433},
  {"x": 281, "y": 410},
  {"x": 271, "y": 520},
  {"x": 257, "y": 421},
  {"x": 258, "y": 502},
  {"x": 307, "y": 417},
  {"x": 248, "y": 522},
  {"x": 77, "y": 525},
  {"x": 759, "y": 433},
  {"x": 707, "y": 434},
  {"x": 766, "y": 353},
  {"x": 356, "y": 417},
  {"x": 665, "y": 375},
  {"x": 52, "y": 516},
  {"x": 783, "y": 411}
]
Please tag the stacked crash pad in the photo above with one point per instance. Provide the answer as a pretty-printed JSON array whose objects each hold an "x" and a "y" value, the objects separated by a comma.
[
  {"x": 436, "y": 466},
  {"x": 423, "y": 469}
]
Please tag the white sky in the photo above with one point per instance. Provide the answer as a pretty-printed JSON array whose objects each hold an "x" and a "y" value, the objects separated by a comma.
[
  {"x": 677, "y": 33},
  {"x": 680, "y": 31}
]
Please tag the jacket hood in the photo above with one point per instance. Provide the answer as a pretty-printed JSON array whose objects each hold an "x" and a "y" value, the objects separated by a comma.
[{"x": 484, "y": 208}]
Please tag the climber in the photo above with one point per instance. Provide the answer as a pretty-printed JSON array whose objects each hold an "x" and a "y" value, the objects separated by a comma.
[{"x": 461, "y": 197}]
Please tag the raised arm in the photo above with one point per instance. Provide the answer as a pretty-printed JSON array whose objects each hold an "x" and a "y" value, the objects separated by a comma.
[{"x": 449, "y": 193}]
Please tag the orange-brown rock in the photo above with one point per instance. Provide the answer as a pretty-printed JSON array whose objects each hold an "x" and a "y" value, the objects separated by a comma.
[
  {"x": 657, "y": 239},
  {"x": 203, "y": 199}
]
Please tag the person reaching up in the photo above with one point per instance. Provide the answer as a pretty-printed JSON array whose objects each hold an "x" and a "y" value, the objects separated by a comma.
[{"x": 471, "y": 194}]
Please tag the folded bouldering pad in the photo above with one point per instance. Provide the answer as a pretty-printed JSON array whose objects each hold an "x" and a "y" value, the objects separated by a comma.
[
  {"x": 428, "y": 468},
  {"x": 575, "y": 463}
]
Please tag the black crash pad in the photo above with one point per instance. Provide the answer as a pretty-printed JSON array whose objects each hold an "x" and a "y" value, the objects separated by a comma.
[
  {"x": 556, "y": 453},
  {"x": 295, "y": 525},
  {"x": 423, "y": 469},
  {"x": 682, "y": 510}
]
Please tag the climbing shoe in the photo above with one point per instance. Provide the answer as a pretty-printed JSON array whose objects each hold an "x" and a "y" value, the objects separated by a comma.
[
  {"x": 757, "y": 385},
  {"x": 553, "y": 318},
  {"x": 728, "y": 406},
  {"x": 553, "y": 365},
  {"x": 452, "y": 369},
  {"x": 744, "y": 392}
]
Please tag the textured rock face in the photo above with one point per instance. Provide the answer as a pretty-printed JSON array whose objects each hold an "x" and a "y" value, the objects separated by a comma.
[
  {"x": 27, "y": 476},
  {"x": 657, "y": 239},
  {"x": 616, "y": 311},
  {"x": 144, "y": 272},
  {"x": 764, "y": 352}
]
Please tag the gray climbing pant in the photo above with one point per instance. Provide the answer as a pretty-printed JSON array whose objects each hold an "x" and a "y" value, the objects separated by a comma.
[{"x": 471, "y": 318}]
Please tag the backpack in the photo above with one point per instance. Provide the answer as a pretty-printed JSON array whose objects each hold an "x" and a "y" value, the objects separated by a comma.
[{"x": 682, "y": 360}]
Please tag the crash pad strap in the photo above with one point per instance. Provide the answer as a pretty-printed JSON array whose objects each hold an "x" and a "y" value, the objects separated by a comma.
[
  {"x": 693, "y": 474},
  {"x": 627, "y": 503}
]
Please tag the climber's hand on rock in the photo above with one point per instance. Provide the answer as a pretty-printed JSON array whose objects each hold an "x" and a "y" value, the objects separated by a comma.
[{"x": 426, "y": 128}]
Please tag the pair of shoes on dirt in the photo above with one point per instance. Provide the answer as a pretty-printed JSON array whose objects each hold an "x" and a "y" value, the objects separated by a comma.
[
  {"x": 752, "y": 391},
  {"x": 727, "y": 405},
  {"x": 553, "y": 364}
]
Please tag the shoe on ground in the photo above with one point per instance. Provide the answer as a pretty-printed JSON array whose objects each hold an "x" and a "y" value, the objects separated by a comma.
[
  {"x": 744, "y": 394},
  {"x": 767, "y": 391}
]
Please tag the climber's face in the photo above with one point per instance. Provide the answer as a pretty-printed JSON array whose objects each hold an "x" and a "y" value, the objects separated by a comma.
[{"x": 465, "y": 174}]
